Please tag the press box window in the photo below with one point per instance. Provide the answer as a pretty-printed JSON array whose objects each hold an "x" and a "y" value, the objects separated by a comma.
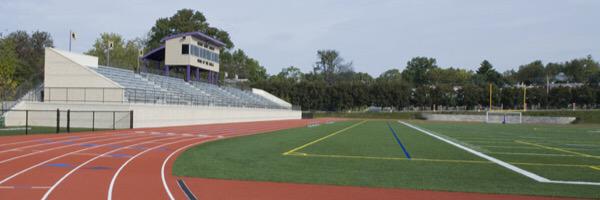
[{"x": 185, "y": 49}]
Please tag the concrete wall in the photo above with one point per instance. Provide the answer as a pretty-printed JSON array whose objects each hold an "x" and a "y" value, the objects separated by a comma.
[
  {"x": 271, "y": 97},
  {"x": 68, "y": 70},
  {"x": 173, "y": 54},
  {"x": 145, "y": 115},
  {"x": 175, "y": 115},
  {"x": 499, "y": 118}
]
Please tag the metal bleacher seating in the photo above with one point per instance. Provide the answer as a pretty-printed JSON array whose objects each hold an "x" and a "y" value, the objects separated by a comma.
[{"x": 153, "y": 88}]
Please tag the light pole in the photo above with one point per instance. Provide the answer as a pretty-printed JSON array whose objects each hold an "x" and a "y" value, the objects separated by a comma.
[
  {"x": 71, "y": 38},
  {"x": 110, "y": 46},
  {"x": 140, "y": 54}
]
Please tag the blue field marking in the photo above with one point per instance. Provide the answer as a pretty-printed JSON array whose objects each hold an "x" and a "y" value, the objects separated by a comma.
[
  {"x": 88, "y": 145},
  {"x": 99, "y": 168},
  {"x": 120, "y": 155},
  {"x": 398, "y": 140},
  {"x": 68, "y": 142},
  {"x": 45, "y": 141},
  {"x": 114, "y": 146},
  {"x": 58, "y": 165},
  {"x": 163, "y": 149},
  {"x": 138, "y": 148}
]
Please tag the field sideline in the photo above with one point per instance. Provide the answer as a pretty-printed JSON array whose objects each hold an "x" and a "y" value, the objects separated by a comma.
[{"x": 391, "y": 155}]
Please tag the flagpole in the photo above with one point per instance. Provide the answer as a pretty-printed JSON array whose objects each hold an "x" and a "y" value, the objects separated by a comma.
[{"x": 70, "y": 38}]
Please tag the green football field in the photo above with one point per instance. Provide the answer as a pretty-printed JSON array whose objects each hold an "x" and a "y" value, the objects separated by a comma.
[{"x": 392, "y": 155}]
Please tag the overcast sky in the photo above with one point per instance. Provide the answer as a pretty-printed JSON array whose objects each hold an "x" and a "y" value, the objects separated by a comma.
[{"x": 376, "y": 35}]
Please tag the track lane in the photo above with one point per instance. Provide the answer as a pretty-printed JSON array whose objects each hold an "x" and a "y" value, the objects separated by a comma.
[
  {"x": 15, "y": 164},
  {"x": 24, "y": 139},
  {"x": 46, "y": 145},
  {"x": 144, "y": 146},
  {"x": 145, "y": 166},
  {"x": 42, "y": 175}
]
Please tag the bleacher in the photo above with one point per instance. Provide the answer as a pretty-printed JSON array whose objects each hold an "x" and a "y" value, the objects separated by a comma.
[{"x": 153, "y": 88}]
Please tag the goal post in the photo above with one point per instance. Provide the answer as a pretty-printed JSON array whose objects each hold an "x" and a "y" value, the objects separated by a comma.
[{"x": 504, "y": 117}]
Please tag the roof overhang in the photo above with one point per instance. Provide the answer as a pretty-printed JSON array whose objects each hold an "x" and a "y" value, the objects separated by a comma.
[
  {"x": 157, "y": 54},
  {"x": 196, "y": 34}
]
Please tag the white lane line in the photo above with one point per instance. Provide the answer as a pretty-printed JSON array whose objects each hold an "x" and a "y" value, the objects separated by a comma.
[
  {"x": 47, "y": 143},
  {"x": 24, "y": 187},
  {"x": 60, "y": 147},
  {"x": 91, "y": 160},
  {"x": 162, "y": 169},
  {"x": 34, "y": 140},
  {"x": 164, "y": 164},
  {"x": 500, "y": 162},
  {"x": 70, "y": 153},
  {"x": 114, "y": 178}
]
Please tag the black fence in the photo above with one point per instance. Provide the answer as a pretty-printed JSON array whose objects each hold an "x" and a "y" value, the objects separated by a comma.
[{"x": 61, "y": 121}]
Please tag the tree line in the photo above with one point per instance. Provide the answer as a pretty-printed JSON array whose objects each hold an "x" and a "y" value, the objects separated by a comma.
[
  {"x": 423, "y": 85},
  {"x": 22, "y": 62}
]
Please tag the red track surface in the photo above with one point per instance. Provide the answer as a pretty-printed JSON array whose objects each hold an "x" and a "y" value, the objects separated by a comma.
[{"x": 136, "y": 164}]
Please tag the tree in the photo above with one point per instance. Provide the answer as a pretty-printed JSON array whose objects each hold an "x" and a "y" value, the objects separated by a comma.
[
  {"x": 561, "y": 97},
  {"x": 417, "y": 70},
  {"x": 487, "y": 74},
  {"x": 29, "y": 52},
  {"x": 8, "y": 64},
  {"x": 185, "y": 20},
  {"x": 553, "y": 69},
  {"x": 124, "y": 54},
  {"x": 330, "y": 64},
  {"x": 584, "y": 95},
  {"x": 449, "y": 76},
  {"x": 532, "y": 73},
  {"x": 578, "y": 69},
  {"x": 238, "y": 63},
  {"x": 391, "y": 75},
  {"x": 291, "y": 73},
  {"x": 470, "y": 96}
]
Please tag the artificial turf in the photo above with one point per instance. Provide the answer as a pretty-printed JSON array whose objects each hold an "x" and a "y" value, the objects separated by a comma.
[{"x": 368, "y": 155}]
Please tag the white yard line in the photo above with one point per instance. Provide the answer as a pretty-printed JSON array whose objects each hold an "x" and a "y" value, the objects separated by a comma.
[{"x": 511, "y": 167}]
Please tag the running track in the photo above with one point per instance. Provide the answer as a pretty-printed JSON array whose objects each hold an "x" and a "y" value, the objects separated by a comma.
[{"x": 137, "y": 163}]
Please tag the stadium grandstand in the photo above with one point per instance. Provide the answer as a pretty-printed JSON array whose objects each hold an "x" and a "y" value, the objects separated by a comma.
[{"x": 77, "y": 82}]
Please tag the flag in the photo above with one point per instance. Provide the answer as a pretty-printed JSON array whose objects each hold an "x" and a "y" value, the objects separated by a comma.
[
  {"x": 110, "y": 45},
  {"x": 73, "y": 36},
  {"x": 141, "y": 52}
]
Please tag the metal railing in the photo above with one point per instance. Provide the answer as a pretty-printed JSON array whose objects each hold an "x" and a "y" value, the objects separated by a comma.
[
  {"x": 57, "y": 121},
  {"x": 131, "y": 95}
]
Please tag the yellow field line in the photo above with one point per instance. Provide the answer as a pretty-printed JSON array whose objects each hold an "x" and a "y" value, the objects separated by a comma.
[
  {"x": 557, "y": 149},
  {"x": 323, "y": 138},
  {"x": 434, "y": 160}
]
